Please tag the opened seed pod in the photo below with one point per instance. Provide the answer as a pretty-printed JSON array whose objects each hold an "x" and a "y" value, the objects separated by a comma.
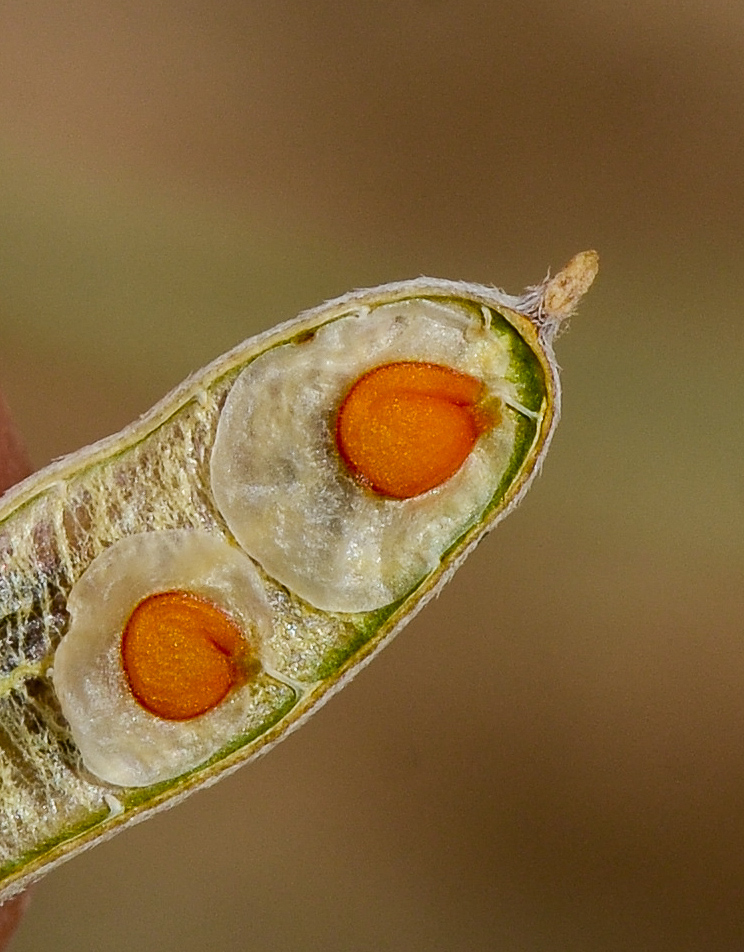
[{"x": 177, "y": 597}]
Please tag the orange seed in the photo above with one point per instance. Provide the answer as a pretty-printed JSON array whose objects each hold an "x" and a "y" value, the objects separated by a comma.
[
  {"x": 181, "y": 654},
  {"x": 406, "y": 427}
]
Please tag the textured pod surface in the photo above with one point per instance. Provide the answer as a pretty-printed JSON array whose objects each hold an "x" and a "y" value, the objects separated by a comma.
[{"x": 233, "y": 489}]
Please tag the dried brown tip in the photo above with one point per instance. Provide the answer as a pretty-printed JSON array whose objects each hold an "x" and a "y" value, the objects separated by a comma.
[{"x": 564, "y": 290}]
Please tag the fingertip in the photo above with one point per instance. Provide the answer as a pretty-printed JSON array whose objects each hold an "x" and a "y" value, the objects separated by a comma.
[
  {"x": 11, "y": 913},
  {"x": 15, "y": 463}
]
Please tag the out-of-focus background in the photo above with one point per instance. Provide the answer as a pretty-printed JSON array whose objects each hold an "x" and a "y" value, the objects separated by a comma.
[{"x": 552, "y": 756}]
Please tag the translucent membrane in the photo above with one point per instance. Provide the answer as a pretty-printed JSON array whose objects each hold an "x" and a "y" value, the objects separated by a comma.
[
  {"x": 181, "y": 654},
  {"x": 407, "y": 427}
]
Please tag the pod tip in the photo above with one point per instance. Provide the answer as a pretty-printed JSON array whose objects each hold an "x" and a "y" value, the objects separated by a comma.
[{"x": 561, "y": 293}]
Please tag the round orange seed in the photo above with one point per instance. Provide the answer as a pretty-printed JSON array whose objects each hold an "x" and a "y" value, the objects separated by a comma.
[
  {"x": 181, "y": 654},
  {"x": 406, "y": 427}
]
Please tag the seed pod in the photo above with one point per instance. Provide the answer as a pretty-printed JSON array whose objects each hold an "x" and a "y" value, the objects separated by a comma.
[{"x": 177, "y": 597}]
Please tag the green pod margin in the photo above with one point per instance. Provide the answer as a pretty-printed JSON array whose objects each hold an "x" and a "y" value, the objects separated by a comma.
[{"x": 163, "y": 505}]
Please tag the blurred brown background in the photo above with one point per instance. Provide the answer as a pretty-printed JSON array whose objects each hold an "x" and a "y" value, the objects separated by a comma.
[{"x": 552, "y": 756}]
